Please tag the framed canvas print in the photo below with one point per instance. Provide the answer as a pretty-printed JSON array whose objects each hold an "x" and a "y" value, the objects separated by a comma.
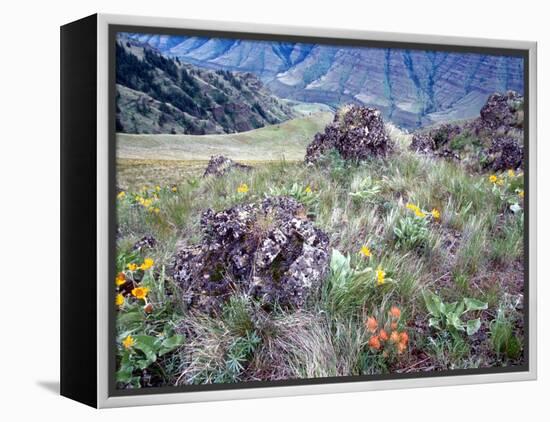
[{"x": 252, "y": 210}]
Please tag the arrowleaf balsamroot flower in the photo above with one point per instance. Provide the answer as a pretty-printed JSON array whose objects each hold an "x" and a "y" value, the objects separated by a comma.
[
  {"x": 121, "y": 195},
  {"x": 132, "y": 267},
  {"x": 521, "y": 194},
  {"x": 511, "y": 173},
  {"x": 243, "y": 188},
  {"x": 371, "y": 324},
  {"x": 119, "y": 300},
  {"x": 128, "y": 342},
  {"x": 140, "y": 292},
  {"x": 365, "y": 251},
  {"x": 493, "y": 178},
  {"x": 120, "y": 279},
  {"x": 147, "y": 263},
  {"x": 307, "y": 189},
  {"x": 436, "y": 214},
  {"x": 380, "y": 276}
]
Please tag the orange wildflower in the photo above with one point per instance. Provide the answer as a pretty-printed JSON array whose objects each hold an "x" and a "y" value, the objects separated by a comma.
[
  {"x": 374, "y": 343},
  {"x": 403, "y": 338},
  {"x": 394, "y": 326},
  {"x": 401, "y": 348},
  {"x": 395, "y": 312},
  {"x": 394, "y": 337},
  {"x": 371, "y": 324},
  {"x": 383, "y": 335}
]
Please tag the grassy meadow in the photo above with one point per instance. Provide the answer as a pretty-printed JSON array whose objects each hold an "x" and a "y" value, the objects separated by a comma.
[{"x": 426, "y": 270}]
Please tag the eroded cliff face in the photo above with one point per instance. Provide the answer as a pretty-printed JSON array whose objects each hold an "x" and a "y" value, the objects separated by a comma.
[{"x": 412, "y": 88}]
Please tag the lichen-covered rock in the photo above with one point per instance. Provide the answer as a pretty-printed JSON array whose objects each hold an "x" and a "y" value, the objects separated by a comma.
[
  {"x": 422, "y": 143},
  {"x": 267, "y": 250},
  {"x": 356, "y": 132},
  {"x": 502, "y": 110},
  {"x": 505, "y": 153},
  {"x": 220, "y": 165}
]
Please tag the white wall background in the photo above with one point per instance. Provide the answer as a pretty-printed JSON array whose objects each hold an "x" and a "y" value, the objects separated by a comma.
[{"x": 29, "y": 204}]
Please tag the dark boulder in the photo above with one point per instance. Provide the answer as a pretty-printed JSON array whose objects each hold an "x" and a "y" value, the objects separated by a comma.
[
  {"x": 422, "y": 143},
  {"x": 356, "y": 132},
  {"x": 267, "y": 250},
  {"x": 502, "y": 111},
  {"x": 505, "y": 153},
  {"x": 220, "y": 165}
]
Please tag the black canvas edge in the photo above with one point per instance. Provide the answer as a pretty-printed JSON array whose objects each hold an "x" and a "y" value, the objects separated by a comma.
[
  {"x": 78, "y": 266},
  {"x": 115, "y": 28}
]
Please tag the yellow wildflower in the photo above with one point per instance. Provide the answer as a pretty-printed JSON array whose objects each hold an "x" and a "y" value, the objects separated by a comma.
[
  {"x": 157, "y": 188},
  {"x": 511, "y": 173},
  {"x": 147, "y": 263},
  {"x": 365, "y": 251},
  {"x": 308, "y": 189},
  {"x": 119, "y": 300},
  {"x": 147, "y": 202},
  {"x": 121, "y": 195},
  {"x": 493, "y": 178},
  {"x": 380, "y": 276},
  {"x": 243, "y": 188},
  {"x": 120, "y": 279},
  {"x": 140, "y": 292},
  {"x": 521, "y": 193},
  {"x": 420, "y": 213},
  {"x": 156, "y": 210},
  {"x": 132, "y": 267},
  {"x": 412, "y": 207},
  {"x": 174, "y": 189},
  {"x": 128, "y": 342},
  {"x": 436, "y": 214}
]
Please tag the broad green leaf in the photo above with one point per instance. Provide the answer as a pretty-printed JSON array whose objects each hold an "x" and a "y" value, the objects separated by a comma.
[
  {"x": 433, "y": 303},
  {"x": 454, "y": 321},
  {"x": 148, "y": 345},
  {"x": 171, "y": 343},
  {"x": 434, "y": 322},
  {"x": 124, "y": 374},
  {"x": 474, "y": 304},
  {"x": 472, "y": 326}
]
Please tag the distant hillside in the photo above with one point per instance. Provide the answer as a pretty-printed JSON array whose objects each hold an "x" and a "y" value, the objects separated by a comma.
[
  {"x": 156, "y": 94},
  {"x": 412, "y": 88}
]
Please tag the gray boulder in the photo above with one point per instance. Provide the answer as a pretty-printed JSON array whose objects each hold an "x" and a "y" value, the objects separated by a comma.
[
  {"x": 267, "y": 250},
  {"x": 220, "y": 165},
  {"x": 356, "y": 132}
]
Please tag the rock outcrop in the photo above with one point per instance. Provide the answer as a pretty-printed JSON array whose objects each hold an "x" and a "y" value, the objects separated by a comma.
[
  {"x": 497, "y": 132},
  {"x": 503, "y": 111},
  {"x": 267, "y": 250},
  {"x": 220, "y": 165},
  {"x": 356, "y": 132},
  {"x": 505, "y": 153},
  {"x": 422, "y": 143}
]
